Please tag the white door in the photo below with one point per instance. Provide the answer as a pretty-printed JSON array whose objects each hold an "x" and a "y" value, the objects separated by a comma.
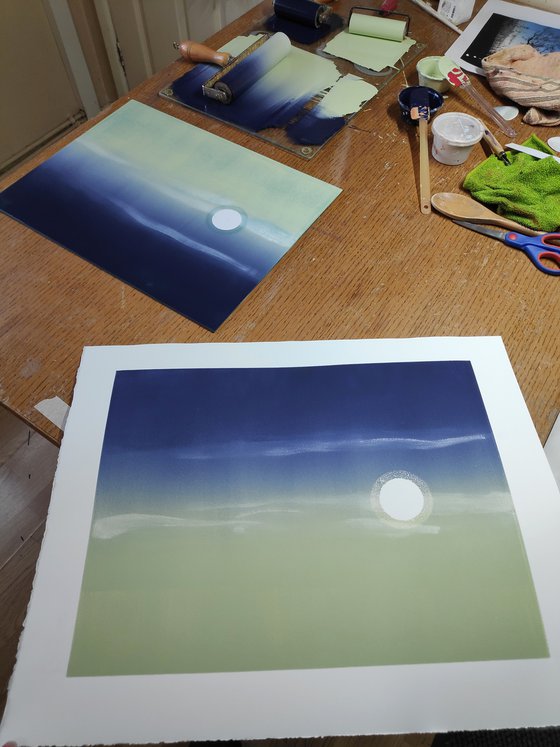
[
  {"x": 40, "y": 98},
  {"x": 139, "y": 34}
]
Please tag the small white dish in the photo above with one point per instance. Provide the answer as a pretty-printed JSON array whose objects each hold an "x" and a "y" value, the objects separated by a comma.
[
  {"x": 554, "y": 143},
  {"x": 507, "y": 112}
]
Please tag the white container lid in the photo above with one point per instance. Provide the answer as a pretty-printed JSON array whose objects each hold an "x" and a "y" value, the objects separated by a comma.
[{"x": 458, "y": 128}]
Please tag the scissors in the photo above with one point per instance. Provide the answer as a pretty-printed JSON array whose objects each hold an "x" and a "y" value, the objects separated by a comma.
[{"x": 536, "y": 248}]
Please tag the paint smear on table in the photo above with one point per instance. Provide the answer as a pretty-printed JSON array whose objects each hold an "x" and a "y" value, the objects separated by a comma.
[
  {"x": 292, "y": 518},
  {"x": 371, "y": 53},
  {"x": 347, "y": 96},
  {"x": 273, "y": 100},
  {"x": 184, "y": 216}
]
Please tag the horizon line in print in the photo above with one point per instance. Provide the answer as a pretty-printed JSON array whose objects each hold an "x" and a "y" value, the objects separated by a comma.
[
  {"x": 252, "y": 519},
  {"x": 184, "y": 216}
]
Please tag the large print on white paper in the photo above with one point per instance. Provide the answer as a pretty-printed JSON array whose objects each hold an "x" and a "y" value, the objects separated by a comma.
[
  {"x": 293, "y": 539},
  {"x": 289, "y": 518}
]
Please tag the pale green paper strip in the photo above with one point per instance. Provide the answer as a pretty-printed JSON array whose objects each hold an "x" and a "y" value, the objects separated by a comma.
[
  {"x": 375, "y": 54},
  {"x": 380, "y": 28},
  {"x": 347, "y": 96}
]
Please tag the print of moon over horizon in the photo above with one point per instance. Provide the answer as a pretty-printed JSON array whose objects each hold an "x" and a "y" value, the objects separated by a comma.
[
  {"x": 184, "y": 216},
  {"x": 297, "y": 518}
]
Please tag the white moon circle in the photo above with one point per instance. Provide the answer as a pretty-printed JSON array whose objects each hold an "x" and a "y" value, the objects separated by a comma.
[
  {"x": 227, "y": 219},
  {"x": 401, "y": 499}
]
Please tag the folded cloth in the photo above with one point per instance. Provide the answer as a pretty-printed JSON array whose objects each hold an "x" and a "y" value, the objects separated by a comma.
[
  {"x": 526, "y": 191},
  {"x": 529, "y": 78}
]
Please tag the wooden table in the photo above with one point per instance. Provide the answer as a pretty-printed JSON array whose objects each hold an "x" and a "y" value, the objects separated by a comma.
[{"x": 371, "y": 266}]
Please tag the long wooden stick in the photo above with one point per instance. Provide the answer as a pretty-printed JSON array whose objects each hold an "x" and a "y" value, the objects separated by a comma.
[{"x": 425, "y": 196}]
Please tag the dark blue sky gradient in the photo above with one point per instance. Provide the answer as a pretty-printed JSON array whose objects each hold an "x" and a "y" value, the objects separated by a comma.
[
  {"x": 144, "y": 240},
  {"x": 318, "y": 432},
  {"x": 137, "y": 196}
]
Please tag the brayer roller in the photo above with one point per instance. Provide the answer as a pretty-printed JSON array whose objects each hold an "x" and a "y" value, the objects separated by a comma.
[
  {"x": 305, "y": 12},
  {"x": 240, "y": 72}
]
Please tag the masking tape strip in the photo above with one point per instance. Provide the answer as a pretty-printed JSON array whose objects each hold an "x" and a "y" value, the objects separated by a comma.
[{"x": 55, "y": 410}]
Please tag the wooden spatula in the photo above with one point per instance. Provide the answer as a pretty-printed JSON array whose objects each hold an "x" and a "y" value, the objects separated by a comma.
[
  {"x": 420, "y": 111},
  {"x": 462, "y": 207}
]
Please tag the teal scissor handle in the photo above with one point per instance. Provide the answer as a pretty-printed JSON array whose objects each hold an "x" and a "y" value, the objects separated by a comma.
[{"x": 537, "y": 248}]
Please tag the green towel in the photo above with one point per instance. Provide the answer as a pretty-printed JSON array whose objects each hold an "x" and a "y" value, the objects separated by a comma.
[{"x": 527, "y": 191}]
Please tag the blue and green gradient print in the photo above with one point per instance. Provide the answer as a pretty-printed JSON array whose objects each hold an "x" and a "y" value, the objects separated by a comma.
[
  {"x": 241, "y": 523},
  {"x": 188, "y": 218}
]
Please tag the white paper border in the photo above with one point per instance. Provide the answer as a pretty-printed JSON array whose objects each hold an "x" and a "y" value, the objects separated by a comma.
[
  {"x": 45, "y": 707},
  {"x": 511, "y": 10}
]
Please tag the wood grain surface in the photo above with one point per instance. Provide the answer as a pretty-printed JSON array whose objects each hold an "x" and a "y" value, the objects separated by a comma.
[
  {"x": 371, "y": 266},
  {"x": 27, "y": 466}
]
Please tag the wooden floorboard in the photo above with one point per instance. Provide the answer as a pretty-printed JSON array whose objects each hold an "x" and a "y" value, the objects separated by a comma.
[
  {"x": 27, "y": 466},
  {"x": 16, "y": 581}
]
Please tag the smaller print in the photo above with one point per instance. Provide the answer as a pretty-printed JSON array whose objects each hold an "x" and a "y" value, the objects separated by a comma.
[{"x": 188, "y": 218}]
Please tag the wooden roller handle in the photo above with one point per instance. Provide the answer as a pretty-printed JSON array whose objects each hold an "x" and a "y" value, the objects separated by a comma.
[{"x": 196, "y": 52}]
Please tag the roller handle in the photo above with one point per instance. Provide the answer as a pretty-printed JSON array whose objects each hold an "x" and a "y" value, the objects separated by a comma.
[
  {"x": 195, "y": 52},
  {"x": 495, "y": 146}
]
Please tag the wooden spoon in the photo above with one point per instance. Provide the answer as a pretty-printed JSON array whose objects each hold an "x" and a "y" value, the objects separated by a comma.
[{"x": 462, "y": 207}]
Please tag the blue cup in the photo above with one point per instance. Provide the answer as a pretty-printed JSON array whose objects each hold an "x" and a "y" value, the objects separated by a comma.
[{"x": 408, "y": 96}]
